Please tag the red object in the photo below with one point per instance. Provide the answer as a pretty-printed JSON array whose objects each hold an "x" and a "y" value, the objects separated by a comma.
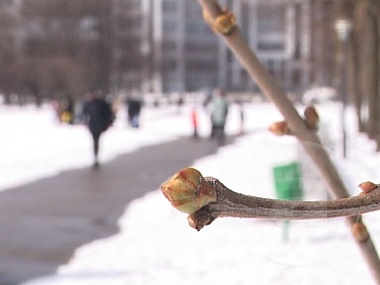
[{"x": 194, "y": 118}]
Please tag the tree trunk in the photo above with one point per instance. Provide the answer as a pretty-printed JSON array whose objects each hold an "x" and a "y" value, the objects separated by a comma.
[
  {"x": 355, "y": 70},
  {"x": 371, "y": 80},
  {"x": 377, "y": 68},
  {"x": 369, "y": 66}
]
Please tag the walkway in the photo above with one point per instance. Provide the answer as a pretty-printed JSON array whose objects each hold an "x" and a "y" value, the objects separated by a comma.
[{"x": 42, "y": 223}]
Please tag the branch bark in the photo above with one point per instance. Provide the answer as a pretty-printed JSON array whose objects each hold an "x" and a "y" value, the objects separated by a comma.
[
  {"x": 306, "y": 137},
  {"x": 232, "y": 204}
]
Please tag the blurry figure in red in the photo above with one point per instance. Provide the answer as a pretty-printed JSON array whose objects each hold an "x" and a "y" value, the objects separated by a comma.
[{"x": 194, "y": 122}]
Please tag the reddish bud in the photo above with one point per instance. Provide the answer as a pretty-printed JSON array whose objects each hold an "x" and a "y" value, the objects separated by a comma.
[
  {"x": 188, "y": 191},
  {"x": 359, "y": 231},
  {"x": 368, "y": 186},
  {"x": 280, "y": 128},
  {"x": 311, "y": 117}
]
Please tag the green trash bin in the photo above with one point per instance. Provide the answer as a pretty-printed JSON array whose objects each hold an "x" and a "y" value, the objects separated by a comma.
[{"x": 287, "y": 180}]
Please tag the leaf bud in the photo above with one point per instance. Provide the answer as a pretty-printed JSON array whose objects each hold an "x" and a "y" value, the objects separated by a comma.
[
  {"x": 359, "y": 231},
  {"x": 311, "y": 117},
  {"x": 280, "y": 128},
  {"x": 367, "y": 186},
  {"x": 188, "y": 191}
]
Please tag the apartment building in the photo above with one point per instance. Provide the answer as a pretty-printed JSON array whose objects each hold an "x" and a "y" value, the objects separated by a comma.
[
  {"x": 165, "y": 45},
  {"x": 10, "y": 37},
  {"x": 191, "y": 57},
  {"x": 177, "y": 49}
]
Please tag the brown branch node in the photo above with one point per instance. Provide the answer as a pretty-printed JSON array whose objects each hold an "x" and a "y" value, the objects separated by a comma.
[
  {"x": 200, "y": 218},
  {"x": 225, "y": 23},
  {"x": 311, "y": 118}
]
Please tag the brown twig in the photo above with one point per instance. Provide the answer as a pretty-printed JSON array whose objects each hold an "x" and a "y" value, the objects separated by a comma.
[
  {"x": 206, "y": 199},
  {"x": 232, "y": 204}
]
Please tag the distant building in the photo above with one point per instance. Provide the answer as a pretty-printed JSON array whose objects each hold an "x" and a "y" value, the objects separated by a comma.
[
  {"x": 130, "y": 31},
  {"x": 280, "y": 33},
  {"x": 10, "y": 34},
  {"x": 165, "y": 46},
  {"x": 188, "y": 56}
]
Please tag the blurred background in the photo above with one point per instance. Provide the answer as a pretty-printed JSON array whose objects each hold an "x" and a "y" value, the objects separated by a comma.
[
  {"x": 160, "y": 53},
  {"x": 55, "y": 49}
]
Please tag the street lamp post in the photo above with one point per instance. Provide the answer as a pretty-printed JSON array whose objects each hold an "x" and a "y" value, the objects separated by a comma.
[{"x": 343, "y": 28}]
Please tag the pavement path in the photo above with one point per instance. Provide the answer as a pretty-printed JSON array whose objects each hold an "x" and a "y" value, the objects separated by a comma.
[{"x": 44, "y": 222}]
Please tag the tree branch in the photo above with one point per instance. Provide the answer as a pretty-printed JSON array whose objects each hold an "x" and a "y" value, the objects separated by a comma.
[
  {"x": 207, "y": 199},
  {"x": 232, "y": 204}
]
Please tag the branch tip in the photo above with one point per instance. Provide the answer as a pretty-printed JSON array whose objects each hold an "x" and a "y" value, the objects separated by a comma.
[{"x": 206, "y": 199}]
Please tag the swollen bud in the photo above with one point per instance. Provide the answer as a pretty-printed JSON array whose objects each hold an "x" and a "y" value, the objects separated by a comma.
[
  {"x": 188, "y": 191},
  {"x": 311, "y": 117},
  {"x": 368, "y": 186},
  {"x": 359, "y": 231},
  {"x": 280, "y": 128}
]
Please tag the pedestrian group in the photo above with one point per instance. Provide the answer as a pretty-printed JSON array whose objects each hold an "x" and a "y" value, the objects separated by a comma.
[{"x": 98, "y": 114}]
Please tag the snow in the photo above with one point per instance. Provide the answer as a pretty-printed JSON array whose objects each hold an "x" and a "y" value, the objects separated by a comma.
[{"x": 162, "y": 248}]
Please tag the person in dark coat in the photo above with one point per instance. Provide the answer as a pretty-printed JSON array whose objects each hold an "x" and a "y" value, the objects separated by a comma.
[
  {"x": 99, "y": 117},
  {"x": 134, "y": 106}
]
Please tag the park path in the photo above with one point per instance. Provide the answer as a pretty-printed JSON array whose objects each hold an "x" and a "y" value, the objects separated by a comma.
[{"x": 44, "y": 222}]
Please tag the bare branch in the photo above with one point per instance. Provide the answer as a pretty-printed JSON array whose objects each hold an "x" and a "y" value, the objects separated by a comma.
[
  {"x": 233, "y": 204},
  {"x": 207, "y": 199}
]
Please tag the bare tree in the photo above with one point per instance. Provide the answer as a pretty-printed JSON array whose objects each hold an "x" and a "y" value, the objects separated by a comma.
[
  {"x": 66, "y": 47},
  {"x": 366, "y": 65}
]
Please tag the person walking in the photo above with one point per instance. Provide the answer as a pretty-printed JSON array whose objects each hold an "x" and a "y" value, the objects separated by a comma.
[
  {"x": 241, "y": 115},
  {"x": 98, "y": 116},
  {"x": 134, "y": 105},
  {"x": 219, "y": 112}
]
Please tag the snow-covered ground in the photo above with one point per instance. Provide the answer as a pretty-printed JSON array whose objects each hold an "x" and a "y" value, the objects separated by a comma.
[{"x": 162, "y": 248}]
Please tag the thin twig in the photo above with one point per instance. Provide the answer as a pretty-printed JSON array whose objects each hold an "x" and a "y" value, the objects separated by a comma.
[{"x": 232, "y": 204}]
